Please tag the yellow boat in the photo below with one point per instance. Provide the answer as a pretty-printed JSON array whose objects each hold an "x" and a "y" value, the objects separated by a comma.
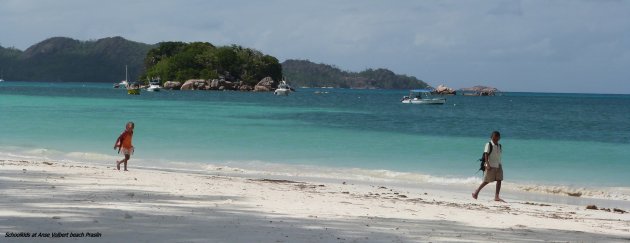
[
  {"x": 132, "y": 88},
  {"x": 133, "y": 91}
]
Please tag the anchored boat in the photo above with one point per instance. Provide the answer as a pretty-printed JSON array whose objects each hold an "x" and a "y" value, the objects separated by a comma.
[
  {"x": 423, "y": 97},
  {"x": 154, "y": 85},
  {"x": 283, "y": 88},
  {"x": 133, "y": 89}
]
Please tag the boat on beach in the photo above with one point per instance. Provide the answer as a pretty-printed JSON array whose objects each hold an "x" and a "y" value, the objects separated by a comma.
[{"x": 423, "y": 97}]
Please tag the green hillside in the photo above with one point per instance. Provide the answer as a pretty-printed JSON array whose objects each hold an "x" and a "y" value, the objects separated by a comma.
[
  {"x": 69, "y": 60},
  {"x": 61, "y": 59},
  {"x": 306, "y": 73}
]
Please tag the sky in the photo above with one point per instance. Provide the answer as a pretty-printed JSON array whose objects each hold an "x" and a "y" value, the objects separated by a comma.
[{"x": 578, "y": 46}]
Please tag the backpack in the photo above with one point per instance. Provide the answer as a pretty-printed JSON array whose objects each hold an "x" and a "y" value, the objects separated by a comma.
[{"x": 482, "y": 166}]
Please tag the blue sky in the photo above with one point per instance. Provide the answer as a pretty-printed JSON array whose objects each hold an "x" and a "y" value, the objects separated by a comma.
[{"x": 534, "y": 45}]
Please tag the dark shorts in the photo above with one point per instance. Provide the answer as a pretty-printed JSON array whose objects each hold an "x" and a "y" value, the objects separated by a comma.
[{"x": 495, "y": 174}]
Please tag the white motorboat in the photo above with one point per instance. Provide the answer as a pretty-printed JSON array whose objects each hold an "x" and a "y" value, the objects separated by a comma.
[
  {"x": 154, "y": 85},
  {"x": 422, "y": 96},
  {"x": 283, "y": 88}
]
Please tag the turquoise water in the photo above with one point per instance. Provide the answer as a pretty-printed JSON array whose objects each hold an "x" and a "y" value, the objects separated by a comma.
[{"x": 562, "y": 139}]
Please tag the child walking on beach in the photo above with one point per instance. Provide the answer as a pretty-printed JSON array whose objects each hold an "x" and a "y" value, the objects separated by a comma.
[
  {"x": 123, "y": 143},
  {"x": 493, "y": 169}
]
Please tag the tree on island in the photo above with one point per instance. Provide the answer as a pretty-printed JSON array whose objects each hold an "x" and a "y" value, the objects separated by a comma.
[{"x": 181, "y": 61}]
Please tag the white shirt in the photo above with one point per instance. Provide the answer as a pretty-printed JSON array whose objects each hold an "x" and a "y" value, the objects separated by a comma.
[{"x": 494, "y": 159}]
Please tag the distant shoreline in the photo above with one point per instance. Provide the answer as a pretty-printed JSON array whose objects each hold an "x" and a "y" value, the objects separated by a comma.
[{"x": 509, "y": 92}]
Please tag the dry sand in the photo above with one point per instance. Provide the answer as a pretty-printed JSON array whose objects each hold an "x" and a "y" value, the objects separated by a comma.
[{"x": 152, "y": 205}]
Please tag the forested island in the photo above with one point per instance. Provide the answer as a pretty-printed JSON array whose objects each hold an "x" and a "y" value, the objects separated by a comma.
[
  {"x": 306, "y": 73},
  {"x": 62, "y": 59},
  {"x": 180, "y": 61}
]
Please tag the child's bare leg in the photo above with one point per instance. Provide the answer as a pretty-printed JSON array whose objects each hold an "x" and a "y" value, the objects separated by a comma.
[{"x": 126, "y": 159}]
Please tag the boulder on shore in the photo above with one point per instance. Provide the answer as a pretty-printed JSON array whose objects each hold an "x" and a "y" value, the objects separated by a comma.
[
  {"x": 245, "y": 87},
  {"x": 265, "y": 85},
  {"x": 195, "y": 84},
  {"x": 172, "y": 85},
  {"x": 228, "y": 85},
  {"x": 214, "y": 84}
]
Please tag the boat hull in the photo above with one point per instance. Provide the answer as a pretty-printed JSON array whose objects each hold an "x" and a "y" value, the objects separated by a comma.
[
  {"x": 425, "y": 101},
  {"x": 282, "y": 91},
  {"x": 133, "y": 91}
]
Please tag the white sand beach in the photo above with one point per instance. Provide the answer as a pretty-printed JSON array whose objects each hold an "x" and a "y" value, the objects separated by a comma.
[{"x": 153, "y": 205}]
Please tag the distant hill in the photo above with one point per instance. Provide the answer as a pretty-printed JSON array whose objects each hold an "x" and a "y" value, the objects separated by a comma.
[
  {"x": 69, "y": 60},
  {"x": 61, "y": 59},
  {"x": 302, "y": 73}
]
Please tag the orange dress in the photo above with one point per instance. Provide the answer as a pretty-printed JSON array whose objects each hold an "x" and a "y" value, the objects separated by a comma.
[{"x": 126, "y": 141}]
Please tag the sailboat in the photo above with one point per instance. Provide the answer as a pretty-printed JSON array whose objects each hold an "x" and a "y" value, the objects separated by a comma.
[
  {"x": 124, "y": 83},
  {"x": 132, "y": 88}
]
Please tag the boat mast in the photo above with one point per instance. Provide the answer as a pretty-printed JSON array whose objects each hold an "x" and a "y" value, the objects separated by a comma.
[{"x": 126, "y": 76}]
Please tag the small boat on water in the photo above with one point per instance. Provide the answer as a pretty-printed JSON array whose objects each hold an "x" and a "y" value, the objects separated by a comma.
[
  {"x": 283, "y": 88},
  {"x": 154, "y": 85},
  {"x": 423, "y": 97},
  {"x": 1, "y": 75}
]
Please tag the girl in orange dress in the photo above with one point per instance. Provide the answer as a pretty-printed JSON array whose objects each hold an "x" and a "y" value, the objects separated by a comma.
[{"x": 123, "y": 143}]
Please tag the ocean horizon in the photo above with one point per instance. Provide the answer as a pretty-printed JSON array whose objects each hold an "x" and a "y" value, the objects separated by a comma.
[{"x": 550, "y": 140}]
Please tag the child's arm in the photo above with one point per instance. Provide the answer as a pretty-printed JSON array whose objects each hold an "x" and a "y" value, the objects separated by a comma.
[{"x": 118, "y": 142}]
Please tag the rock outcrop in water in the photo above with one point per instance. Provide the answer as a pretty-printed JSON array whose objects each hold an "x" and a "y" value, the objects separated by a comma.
[
  {"x": 444, "y": 90},
  {"x": 480, "y": 90}
]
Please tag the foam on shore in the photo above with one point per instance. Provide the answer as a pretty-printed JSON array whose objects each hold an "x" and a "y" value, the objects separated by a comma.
[{"x": 263, "y": 168}]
